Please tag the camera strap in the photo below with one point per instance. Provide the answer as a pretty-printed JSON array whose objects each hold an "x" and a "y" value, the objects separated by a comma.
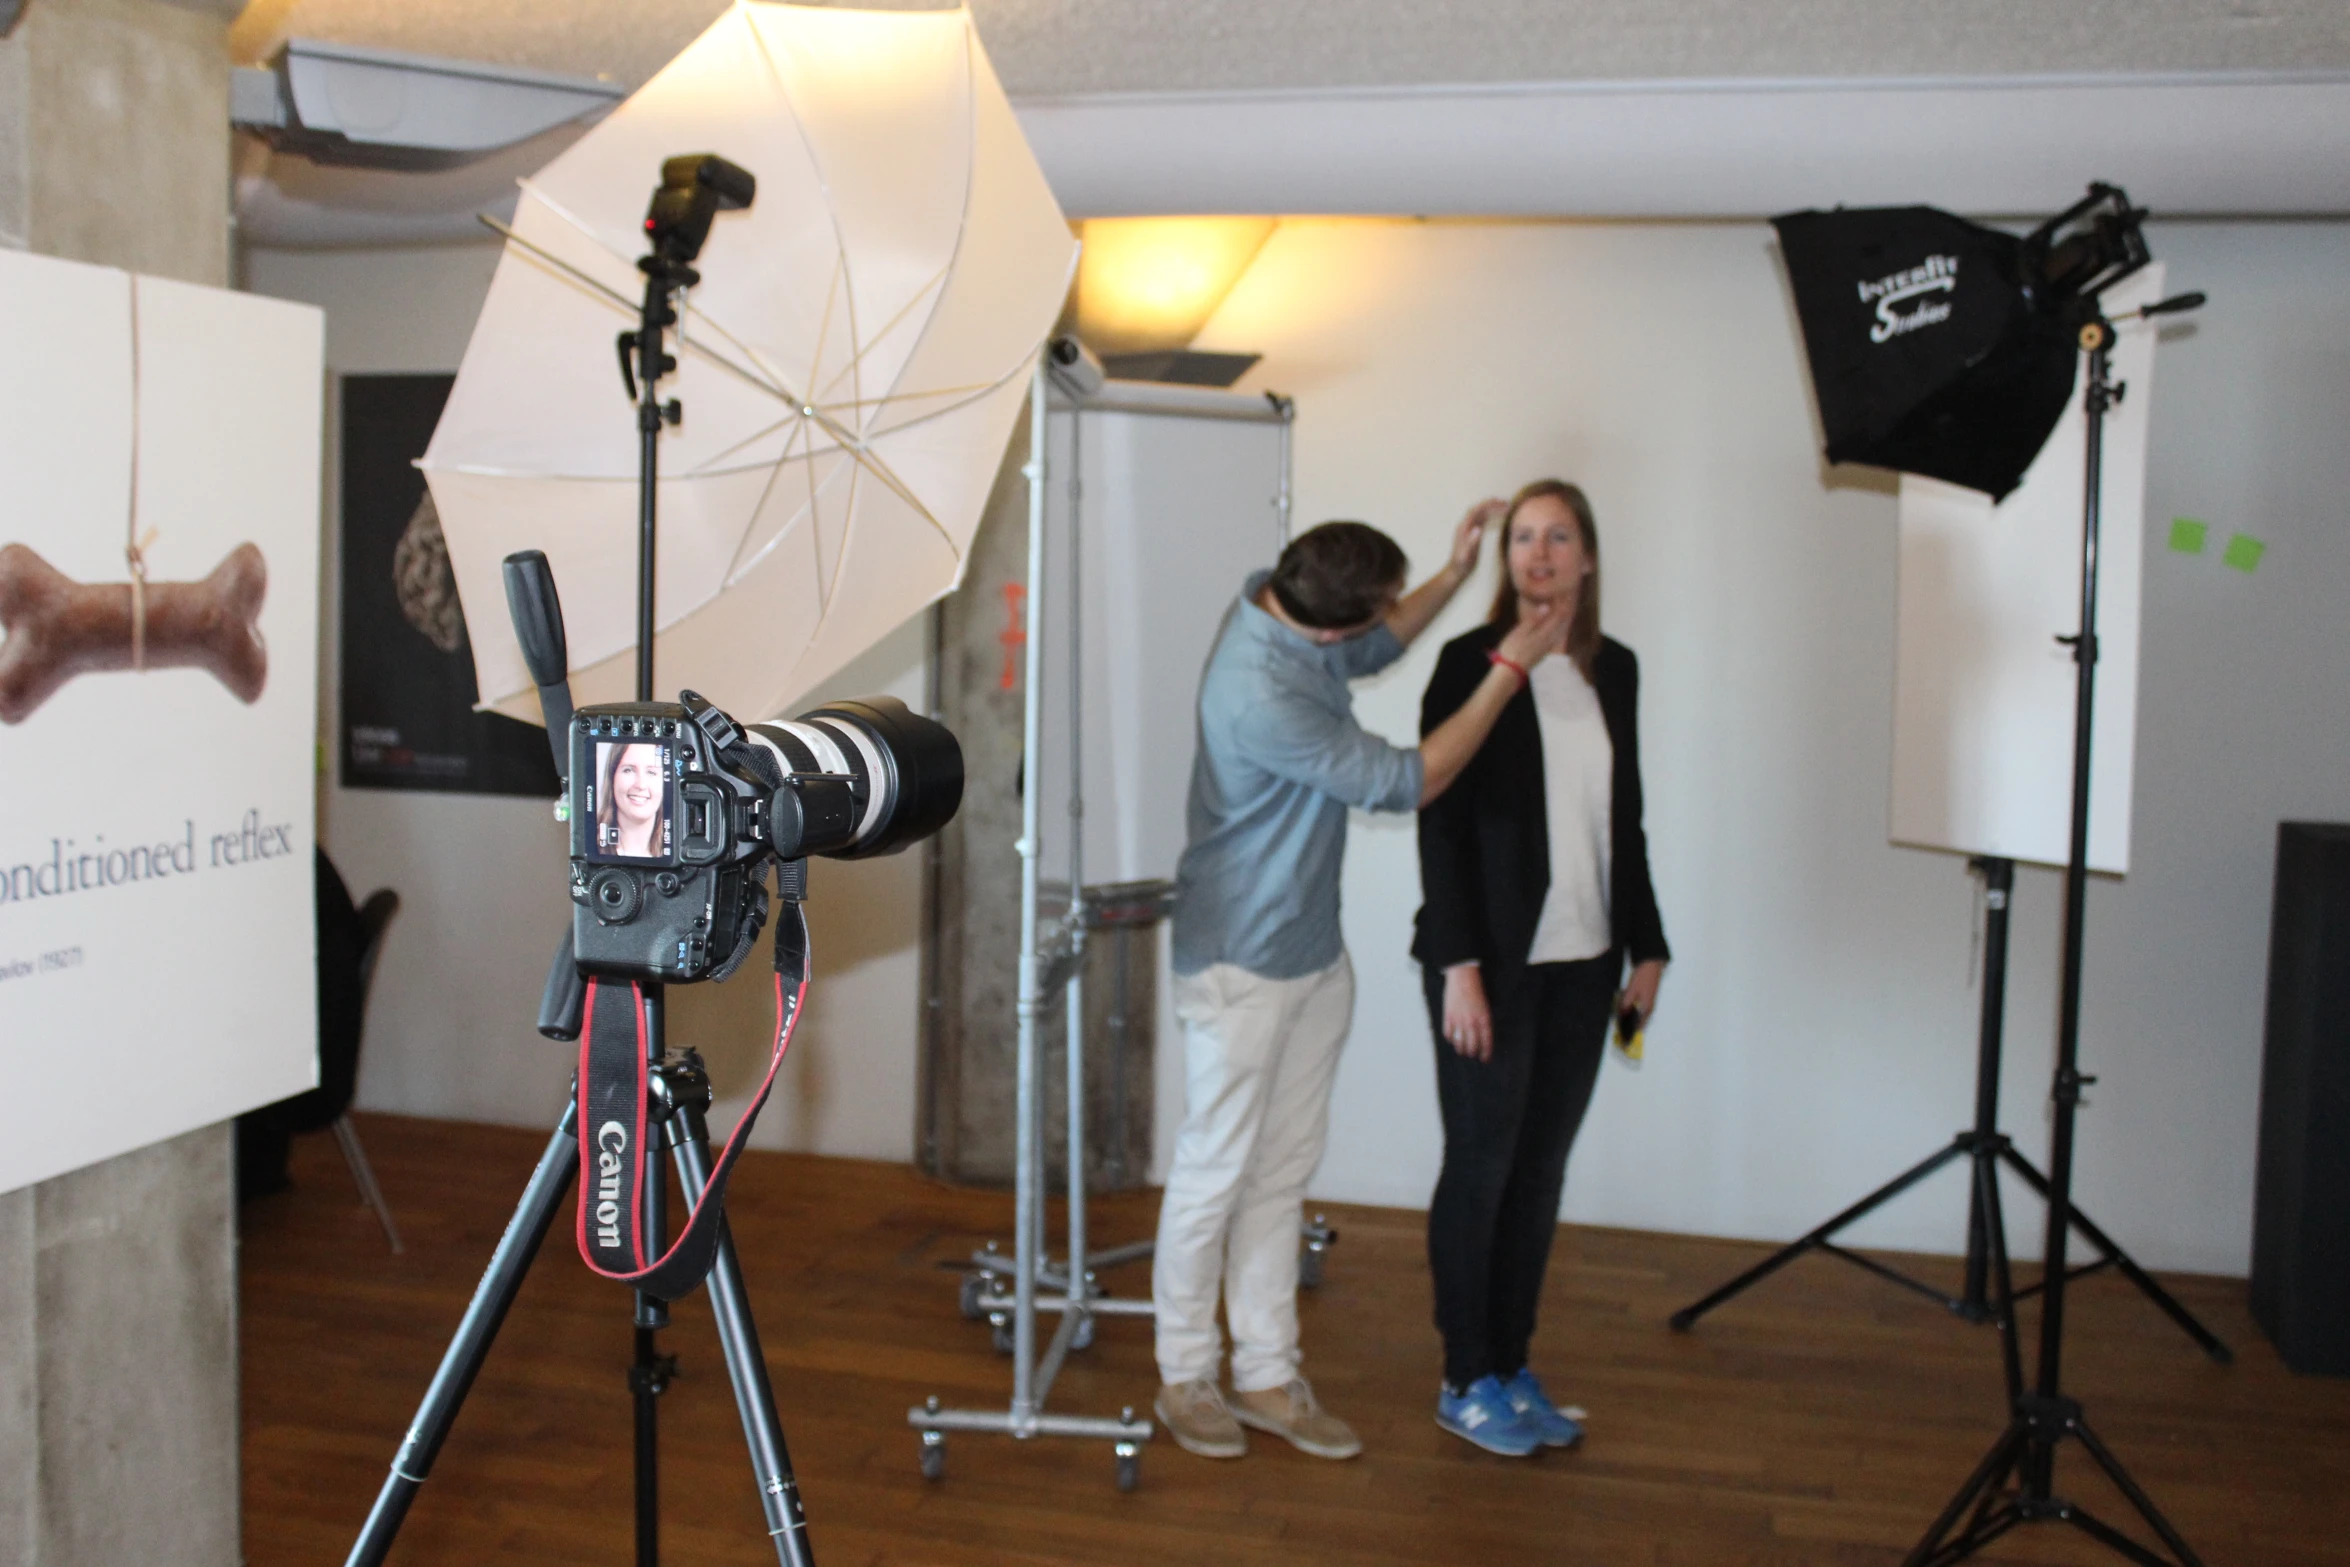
[{"x": 615, "y": 1095}]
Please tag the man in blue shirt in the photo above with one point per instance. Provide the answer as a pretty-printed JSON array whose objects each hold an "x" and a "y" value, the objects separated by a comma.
[{"x": 1262, "y": 984}]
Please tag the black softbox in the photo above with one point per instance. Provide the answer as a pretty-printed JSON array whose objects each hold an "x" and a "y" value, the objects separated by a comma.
[{"x": 1927, "y": 355}]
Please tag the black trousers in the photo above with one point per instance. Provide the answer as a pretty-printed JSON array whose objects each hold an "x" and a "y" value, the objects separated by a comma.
[{"x": 1508, "y": 1125}]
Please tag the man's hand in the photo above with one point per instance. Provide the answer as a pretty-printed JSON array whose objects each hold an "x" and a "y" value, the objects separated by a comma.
[
  {"x": 1468, "y": 1021},
  {"x": 1541, "y": 631},
  {"x": 1469, "y": 537},
  {"x": 1415, "y": 609}
]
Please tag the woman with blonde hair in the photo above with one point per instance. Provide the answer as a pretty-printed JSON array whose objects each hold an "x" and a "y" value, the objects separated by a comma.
[{"x": 1534, "y": 875}]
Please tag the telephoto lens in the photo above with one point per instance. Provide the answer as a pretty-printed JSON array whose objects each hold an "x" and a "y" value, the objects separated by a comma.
[{"x": 907, "y": 774}]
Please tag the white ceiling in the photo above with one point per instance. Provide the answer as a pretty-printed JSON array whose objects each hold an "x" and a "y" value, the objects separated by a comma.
[
  {"x": 1587, "y": 108},
  {"x": 1052, "y": 48}
]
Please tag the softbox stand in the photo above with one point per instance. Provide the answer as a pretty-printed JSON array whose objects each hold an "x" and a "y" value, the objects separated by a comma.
[{"x": 2015, "y": 1483}]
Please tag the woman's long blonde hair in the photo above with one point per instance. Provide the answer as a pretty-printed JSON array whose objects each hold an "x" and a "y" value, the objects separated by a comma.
[{"x": 1583, "y": 635}]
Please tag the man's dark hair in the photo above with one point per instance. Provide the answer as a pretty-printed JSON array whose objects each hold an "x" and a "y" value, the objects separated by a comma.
[{"x": 1338, "y": 575}]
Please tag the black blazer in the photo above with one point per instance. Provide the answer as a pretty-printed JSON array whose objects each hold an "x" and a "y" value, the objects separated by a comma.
[{"x": 1485, "y": 842}]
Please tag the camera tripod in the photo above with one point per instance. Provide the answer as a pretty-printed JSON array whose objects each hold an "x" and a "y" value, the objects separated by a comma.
[
  {"x": 694, "y": 189},
  {"x": 679, "y": 1100}
]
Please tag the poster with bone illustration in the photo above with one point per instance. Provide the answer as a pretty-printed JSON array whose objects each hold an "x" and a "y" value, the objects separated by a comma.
[{"x": 159, "y": 503}]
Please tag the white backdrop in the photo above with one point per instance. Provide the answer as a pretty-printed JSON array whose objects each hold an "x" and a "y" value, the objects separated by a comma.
[
  {"x": 1983, "y": 695},
  {"x": 1817, "y": 1028},
  {"x": 157, "y": 956}
]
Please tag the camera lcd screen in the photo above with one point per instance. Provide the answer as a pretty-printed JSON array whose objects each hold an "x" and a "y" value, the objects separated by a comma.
[{"x": 633, "y": 814}]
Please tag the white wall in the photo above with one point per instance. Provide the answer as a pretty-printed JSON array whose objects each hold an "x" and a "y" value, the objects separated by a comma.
[
  {"x": 481, "y": 877},
  {"x": 1817, "y": 1027}
]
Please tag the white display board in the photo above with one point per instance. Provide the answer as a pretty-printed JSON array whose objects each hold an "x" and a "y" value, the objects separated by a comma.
[
  {"x": 157, "y": 947},
  {"x": 1180, "y": 489},
  {"x": 1983, "y": 706}
]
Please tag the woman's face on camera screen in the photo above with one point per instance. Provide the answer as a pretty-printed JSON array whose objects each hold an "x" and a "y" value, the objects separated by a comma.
[
  {"x": 638, "y": 780},
  {"x": 1546, "y": 558}
]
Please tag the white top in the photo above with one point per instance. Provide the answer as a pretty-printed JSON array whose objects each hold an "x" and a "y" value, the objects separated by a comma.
[{"x": 1578, "y": 785}]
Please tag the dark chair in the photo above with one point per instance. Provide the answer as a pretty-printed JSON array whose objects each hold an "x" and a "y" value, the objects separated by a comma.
[
  {"x": 375, "y": 917},
  {"x": 350, "y": 939}
]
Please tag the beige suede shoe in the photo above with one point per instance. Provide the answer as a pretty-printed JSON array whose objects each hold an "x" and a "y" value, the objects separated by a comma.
[
  {"x": 1295, "y": 1415},
  {"x": 1195, "y": 1415}
]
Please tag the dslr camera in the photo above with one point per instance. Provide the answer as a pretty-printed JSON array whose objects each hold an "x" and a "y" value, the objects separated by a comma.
[{"x": 675, "y": 810}]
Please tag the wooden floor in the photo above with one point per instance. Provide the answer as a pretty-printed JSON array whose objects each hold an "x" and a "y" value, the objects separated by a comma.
[{"x": 1823, "y": 1418}]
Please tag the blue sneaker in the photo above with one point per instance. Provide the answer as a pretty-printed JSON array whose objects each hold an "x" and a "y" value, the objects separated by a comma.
[
  {"x": 1482, "y": 1416},
  {"x": 1533, "y": 1406}
]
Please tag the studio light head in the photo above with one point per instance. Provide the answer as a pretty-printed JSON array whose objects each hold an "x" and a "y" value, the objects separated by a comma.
[
  {"x": 695, "y": 188},
  {"x": 2083, "y": 251}
]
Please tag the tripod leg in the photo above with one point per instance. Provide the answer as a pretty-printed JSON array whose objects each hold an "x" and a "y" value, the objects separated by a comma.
[
  {"x": 1786, "y": 1254},
  {"x": 1994, "y": 1216},
  {"x": 1988, "y": 1475},
  {"x": 2129, "y": 1269},
  {"x": 500, "y": 1282},
  {"x": 2113, "y": 1539},
  {"x": 2137, "y": 1498},
  {"x": 746, "y": 1365}
]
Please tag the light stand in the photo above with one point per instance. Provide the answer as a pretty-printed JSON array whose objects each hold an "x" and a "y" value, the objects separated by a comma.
[
  {"x": 1988, "y": 1150},
  {"x": 2059, "y": 269},
  {"x": 693, "y": 190},
  {"x": 1988, "y": 1505}
]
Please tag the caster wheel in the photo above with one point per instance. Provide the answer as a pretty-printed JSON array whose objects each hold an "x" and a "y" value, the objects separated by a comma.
[
  {"x": 1129, "y": 1466},
  {"x": 1083, "y": 1337},
  {"x": 1000, "y": 1330},
  {"x": 934, "y": 1455},
  {"x": 974, "y": 1289}
]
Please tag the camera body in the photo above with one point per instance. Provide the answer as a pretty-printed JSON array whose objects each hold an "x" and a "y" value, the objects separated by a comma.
[{"x": 675, "y": 810}]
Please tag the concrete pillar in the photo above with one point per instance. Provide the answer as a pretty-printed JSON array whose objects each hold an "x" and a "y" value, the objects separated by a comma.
[{"x": 118, "y": 1342}]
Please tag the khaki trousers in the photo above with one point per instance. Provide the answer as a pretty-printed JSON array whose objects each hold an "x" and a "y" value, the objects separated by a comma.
[{"x": 1259, "y": 1056}]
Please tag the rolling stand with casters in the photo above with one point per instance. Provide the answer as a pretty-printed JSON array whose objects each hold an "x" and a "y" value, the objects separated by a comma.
[{"x": 1050, "y": 958}]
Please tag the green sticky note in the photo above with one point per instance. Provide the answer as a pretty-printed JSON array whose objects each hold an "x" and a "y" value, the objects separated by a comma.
[
  {"x": 2243, "y": 553},
  {"x": 2186, "y": 535}
]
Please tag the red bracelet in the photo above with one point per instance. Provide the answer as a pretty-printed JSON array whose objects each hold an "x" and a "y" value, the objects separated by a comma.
[{"x": 1494, "y": 656}]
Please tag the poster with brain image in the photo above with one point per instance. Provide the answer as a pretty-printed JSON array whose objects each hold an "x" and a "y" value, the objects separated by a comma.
[{"x": 159, "y": 463}]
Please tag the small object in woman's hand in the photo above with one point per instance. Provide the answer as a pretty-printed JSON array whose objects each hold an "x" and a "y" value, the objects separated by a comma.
[{"x": 1631, "y": 1033}]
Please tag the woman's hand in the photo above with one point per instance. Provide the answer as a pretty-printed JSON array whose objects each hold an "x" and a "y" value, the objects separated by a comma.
[
  {"x": 1640, "y": 993},
  {"x": 1468, "y": 1021}
]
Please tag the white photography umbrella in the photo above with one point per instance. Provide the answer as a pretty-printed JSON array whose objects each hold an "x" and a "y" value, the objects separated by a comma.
[{"x": 851, "y": 365}]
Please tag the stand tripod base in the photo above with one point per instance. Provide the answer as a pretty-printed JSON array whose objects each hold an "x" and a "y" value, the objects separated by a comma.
[
  {"x": 1126, "y": 1434},
  {"x": 1975, "y": 1304},
  {"x": 1987, "y": 1506}
]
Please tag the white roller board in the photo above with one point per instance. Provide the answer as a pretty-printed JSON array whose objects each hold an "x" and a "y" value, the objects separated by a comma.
[
  {"x": 1983, "y": 708},
  {"x": 1179, "y": 504},
  {"x": 157, "y": 946}
]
